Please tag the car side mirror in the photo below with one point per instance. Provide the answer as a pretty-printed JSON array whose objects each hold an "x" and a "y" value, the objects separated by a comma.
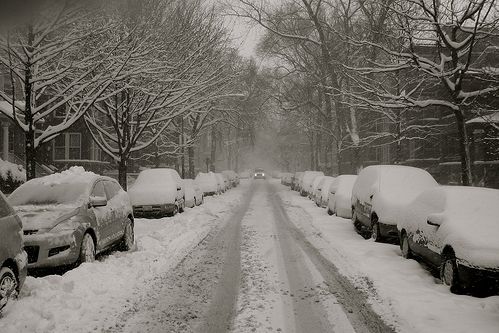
[
  {"x": 97, "y": 202},
  {"x": 434, "y": 220},
  {"x": 179, "y": 188}
]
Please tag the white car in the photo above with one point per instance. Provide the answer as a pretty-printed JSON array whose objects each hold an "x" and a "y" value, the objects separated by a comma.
[
  {"x": 307, "y": 181},
  {"x": 193, "y": 193},
  {"x": 380, "y": 193},
  {"x": 321, "y": 195},
  {"x": 315, "y": 185},
  {"x": 222, "y": 182},
  {"x": 208, "y": 183},
  {"x": 455, "y": 229},
  {"x": 232, "y": 176},
  {"x": 157, "y": 192},
  {"x": 340, "y": 196}
]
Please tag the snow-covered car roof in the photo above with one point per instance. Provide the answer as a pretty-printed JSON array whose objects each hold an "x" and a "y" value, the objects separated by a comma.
[{"x": 68, "y": 187}]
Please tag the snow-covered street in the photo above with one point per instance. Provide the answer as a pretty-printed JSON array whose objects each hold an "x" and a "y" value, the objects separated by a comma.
[{"x": 258, "y": 258}]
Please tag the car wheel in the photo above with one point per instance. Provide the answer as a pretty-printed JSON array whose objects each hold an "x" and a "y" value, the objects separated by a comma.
[
  {"x": 128, "y": 237},
  {"x": 8, "y": 286},
  {"x": 375, "y": 235},
  {"x": 449, "y": 273},
  {"x": 329, "y": 212},
  {"x": 87, "y": 249},
  {"x": 175, "y": 209},
  {"x": 404, "y": 246}
]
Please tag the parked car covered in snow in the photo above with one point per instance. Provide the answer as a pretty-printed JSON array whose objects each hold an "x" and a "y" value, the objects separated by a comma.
[
  {"x": 455, "y": 229},
  {"x": 315, "y": 186},
  {"x": 222, "y": 183},
  {"x": 379, "y": 194},
  {"x": 232, "y": 176},
  {"x": 307, "y": 181},
  {"x": 157, "y": 192},
  {"x": 321, "y": 194},
  {"x": 286, "y": 178},
  {"x": 208, "y": 183},
  {"x": 71, "y": 216},
  {"x": 340, "y": 196},
  {"x": 245, "y": 174},
  {"x": 13, "y": 258},
  {"x": 295, "y": 181},
  {"x": 193, "y": 193}
]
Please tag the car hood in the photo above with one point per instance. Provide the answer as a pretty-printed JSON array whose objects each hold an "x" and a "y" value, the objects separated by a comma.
[
  {"x": 44, "y": 217},
  {"x": 150, "y": 196}
]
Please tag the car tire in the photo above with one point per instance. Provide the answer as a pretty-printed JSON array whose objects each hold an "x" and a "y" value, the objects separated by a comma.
[
  {"x": 375, "y": 234},
  {"x": 128, "y": 239},
  {"x": 449, "y": 273},
  {"x": 87, "y": 249},
  {"x": 404, "y": 246},
  {"x": 175, "y": 209},
  {"x": 8, "y": 286},
  {"x": 329, "y": 212}
]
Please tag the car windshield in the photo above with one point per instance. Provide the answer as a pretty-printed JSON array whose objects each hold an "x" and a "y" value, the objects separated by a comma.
[
  {"x": 258, "y": 170},
  {"x": 38, "y": 194},
  {"x": 154, "y": 178}
]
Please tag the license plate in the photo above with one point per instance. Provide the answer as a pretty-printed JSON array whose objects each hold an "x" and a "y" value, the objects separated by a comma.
[{"x": 147, "y": 208}]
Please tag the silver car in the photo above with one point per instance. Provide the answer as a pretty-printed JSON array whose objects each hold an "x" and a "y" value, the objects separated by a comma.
[
  {"x": 70, "y": 217},
  {"x": 13, "y": 260}
]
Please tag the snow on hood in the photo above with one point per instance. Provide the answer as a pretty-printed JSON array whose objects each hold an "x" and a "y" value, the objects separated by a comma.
[{"x": 44, "y": 216}]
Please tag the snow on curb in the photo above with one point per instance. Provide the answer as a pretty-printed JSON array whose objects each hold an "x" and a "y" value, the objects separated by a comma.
[
  {"x": 92, "y": 296},
  {"x": 401, "y": 290}
]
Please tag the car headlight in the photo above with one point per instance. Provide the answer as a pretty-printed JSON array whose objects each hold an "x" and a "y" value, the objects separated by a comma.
[{"x": 70, "y": 224}]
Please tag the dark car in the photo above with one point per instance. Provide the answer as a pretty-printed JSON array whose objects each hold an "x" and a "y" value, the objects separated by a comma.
[
  {"x": 455, "y": 230},
  {"x": 13, "y": 259},
  {"x": 70, "y": 217},
  {"x": 259, "y": 174}
]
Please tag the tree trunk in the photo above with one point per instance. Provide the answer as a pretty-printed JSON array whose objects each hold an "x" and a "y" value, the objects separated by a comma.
[
  {"x": 464, "y": 149},
  {"x": 213, "y": 149},
  {"x": 30, "y": 155},
  {"x": 123, "y": 172},
  {"x": 190, "y": 152}
]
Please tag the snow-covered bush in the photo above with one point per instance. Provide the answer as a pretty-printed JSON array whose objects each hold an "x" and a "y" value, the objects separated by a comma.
[{"x": 11, "y": 176}]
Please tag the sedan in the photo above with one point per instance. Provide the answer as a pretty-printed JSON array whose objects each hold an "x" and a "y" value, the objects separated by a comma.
[
  {"x": 70, "y": 217},
  {"x": 455, "y": 230}
]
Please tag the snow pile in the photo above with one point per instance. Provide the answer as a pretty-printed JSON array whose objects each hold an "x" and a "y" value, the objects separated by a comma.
[
  {"x": 14, "y": 171},
  {"x": 469, "y": 222},
  {"x": 402, "y": 291},
  {"x": 93, "y": 297},
  {"x": 155, "y": 187},
  {"x": 68, "y": 187}
]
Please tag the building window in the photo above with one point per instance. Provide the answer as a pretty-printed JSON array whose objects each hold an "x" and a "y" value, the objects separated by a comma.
[
  {"x": 96, "y": 154},
  {"x": 67, "y": 146},
  {"x": 11, "y": 140}
]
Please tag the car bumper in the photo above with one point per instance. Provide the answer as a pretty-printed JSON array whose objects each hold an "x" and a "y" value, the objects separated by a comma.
[
  {"x": 53, "y": 249},
  {"x": 153, "y": 210},
  {"x": 389, "y": 231},
  {"x": 478, "y": 278},
  {"x": 259, "y": 177}
]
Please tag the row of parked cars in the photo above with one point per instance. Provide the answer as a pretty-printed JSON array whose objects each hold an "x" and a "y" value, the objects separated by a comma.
[
  {"x": 67, "y": 218},
  {"x": 454, "y": 230}
]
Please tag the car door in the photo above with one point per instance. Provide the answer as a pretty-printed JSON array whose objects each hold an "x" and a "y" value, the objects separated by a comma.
[
  {"x": 117, "y": 210},
  {"x": 369, "y": 184},
  {"x": 102, "y": 216},
  {"x": 10, "y": 232}
]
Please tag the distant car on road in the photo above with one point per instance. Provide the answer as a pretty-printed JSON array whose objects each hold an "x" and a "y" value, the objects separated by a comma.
[
  {"x": 380, "y": 193},
  {"x": 340, "y": 196},
  {"x": 455, "y": 229},
  {"x": 71, "y": 216},
  {"x": 13, "y": 258},
  {"x": 259, "y": 174},
  {"x": 157, "y": 192}
]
